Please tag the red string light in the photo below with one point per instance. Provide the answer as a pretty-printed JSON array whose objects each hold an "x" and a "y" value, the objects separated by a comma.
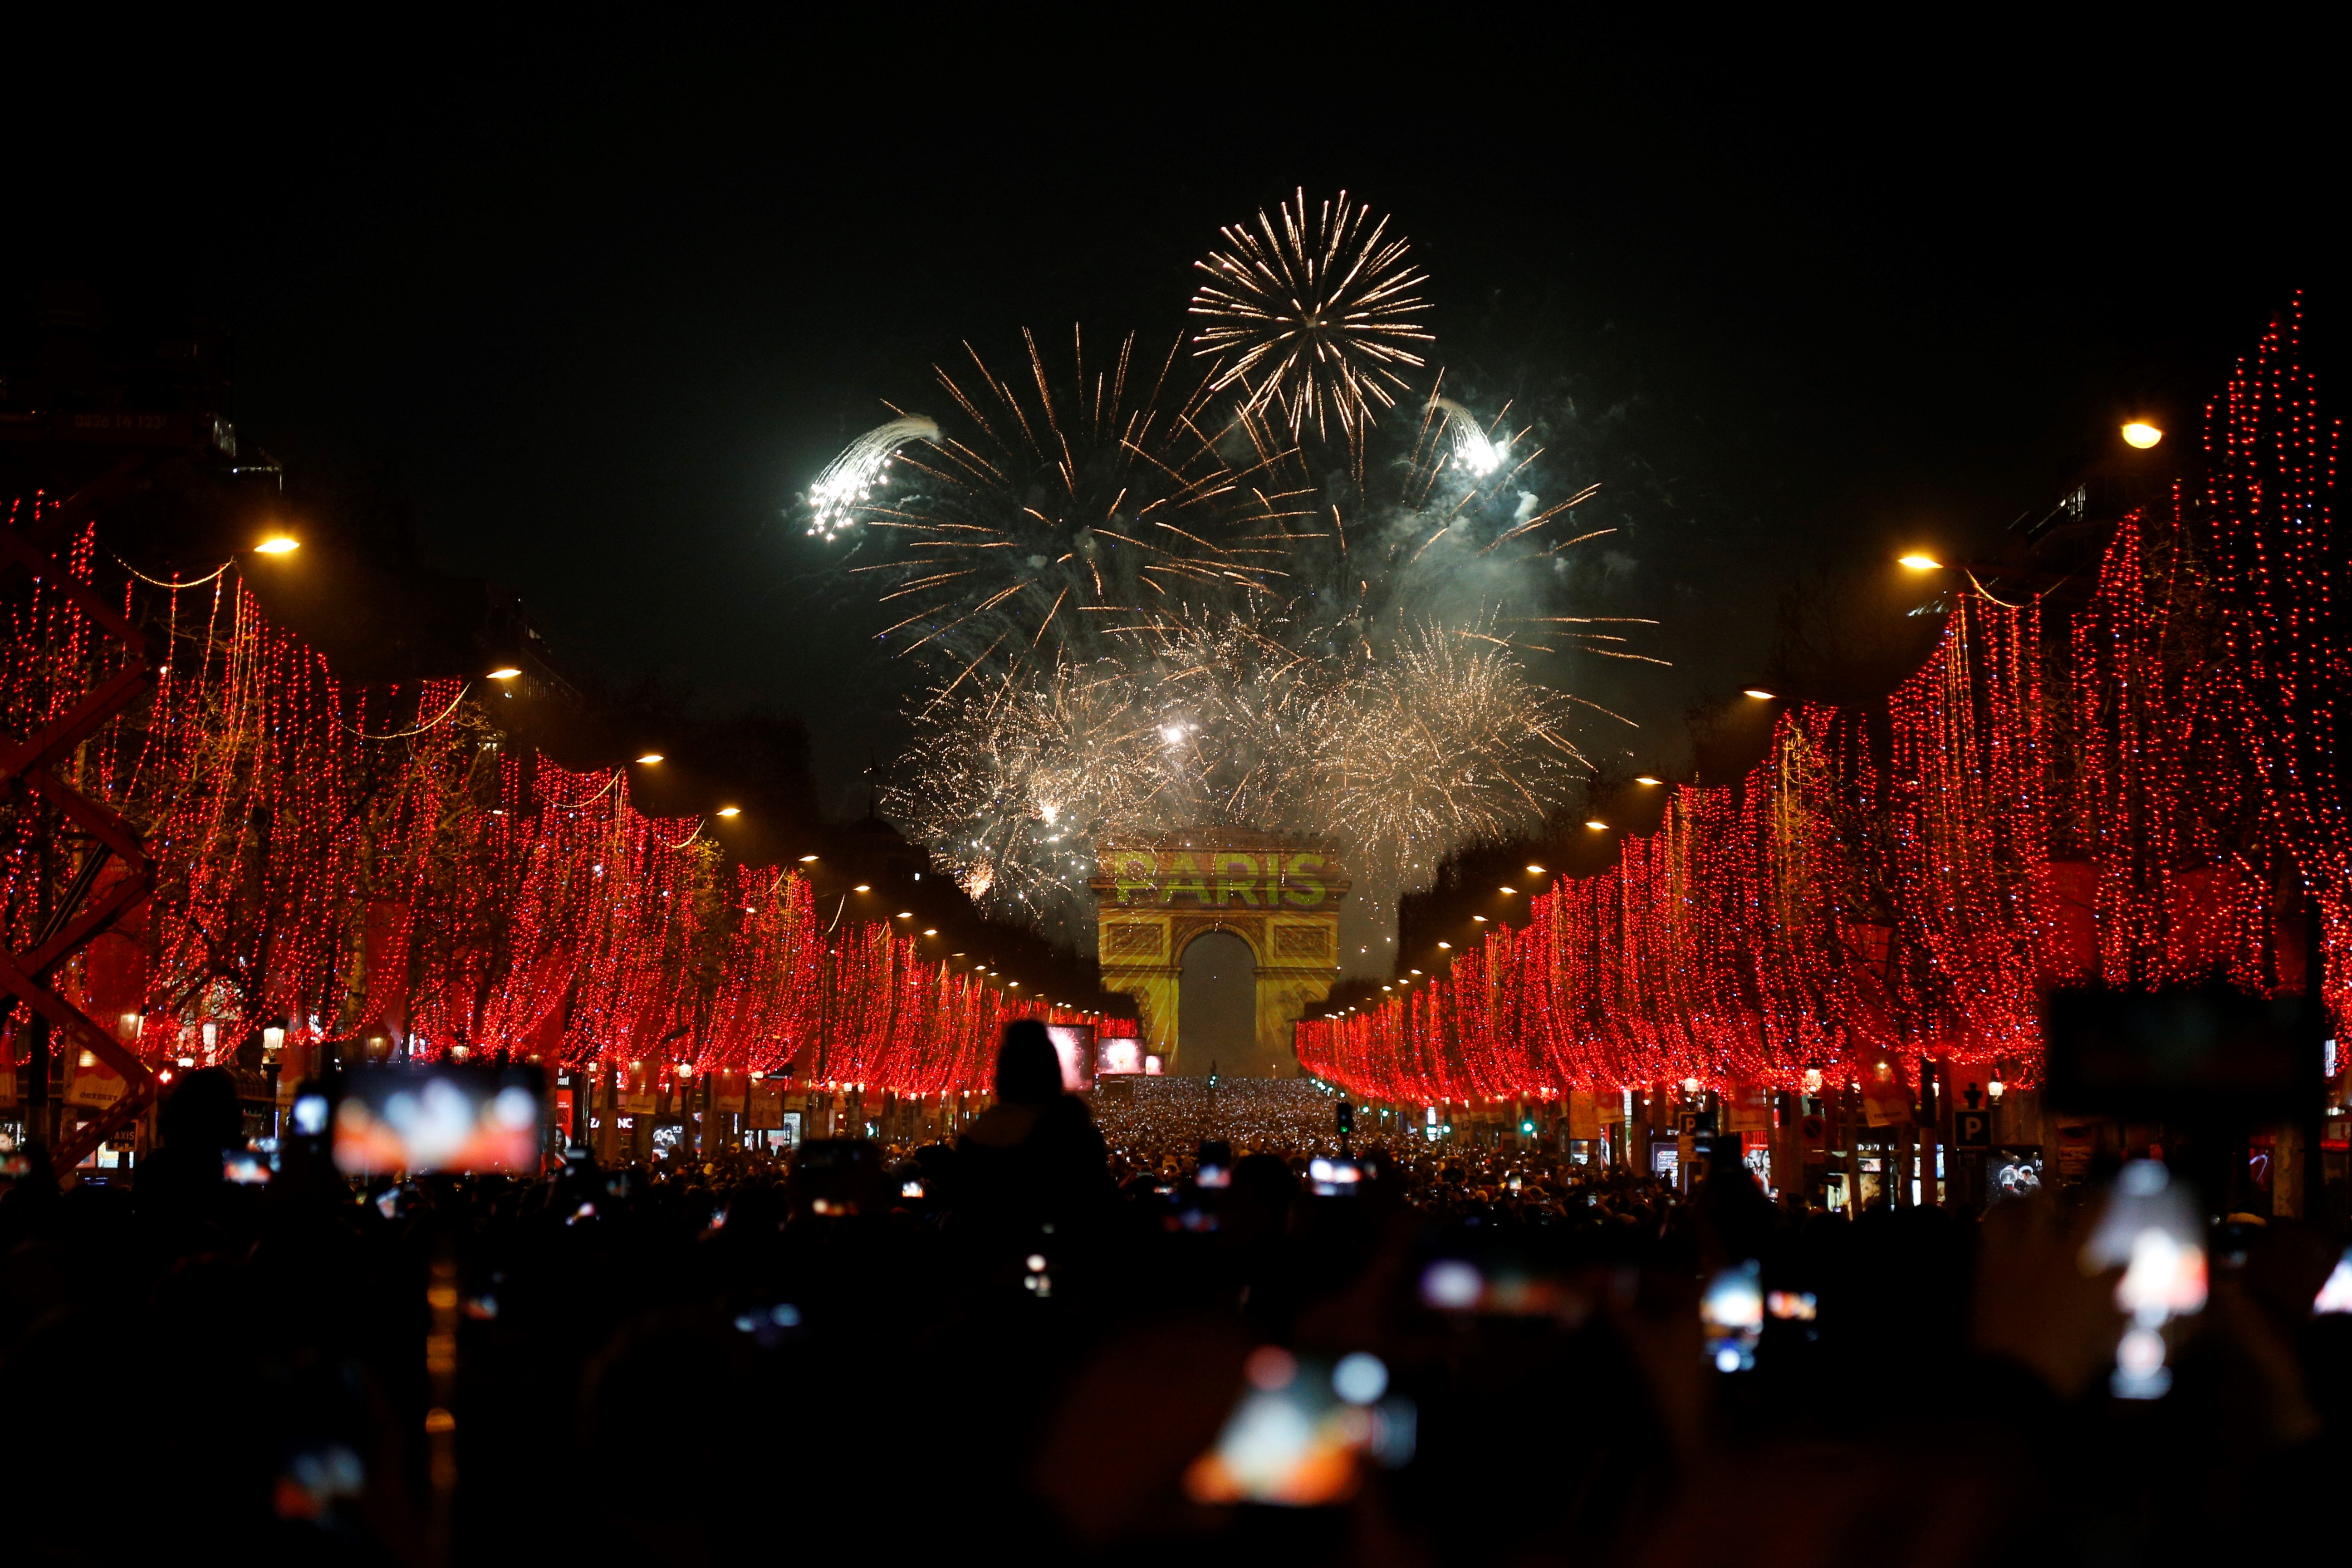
[{"x": 2135, "y": 805}]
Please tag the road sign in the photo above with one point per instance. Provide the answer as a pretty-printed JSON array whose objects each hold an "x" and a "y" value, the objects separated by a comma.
[{"x": 1972, "y": 1130}]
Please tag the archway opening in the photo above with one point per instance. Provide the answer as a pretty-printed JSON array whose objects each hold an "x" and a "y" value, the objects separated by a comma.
[{"x": 1216, "y": 1008}]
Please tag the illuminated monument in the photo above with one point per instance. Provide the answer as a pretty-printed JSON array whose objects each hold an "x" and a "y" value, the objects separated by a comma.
[{"x": 1153, "y": 899}]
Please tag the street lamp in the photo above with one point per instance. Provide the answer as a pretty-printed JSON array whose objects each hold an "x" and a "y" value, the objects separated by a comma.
[
  {"x": 730, "y": 811},
  {"x": 2141, "y": 435},
  {"x": 504, "y": 672},
  {"x": 1646, "y": 779},
  {"x": 650, "y": 758},
  {"x": 278, "y": 544},
  {"x": 1758, "y": 693},
  {"x": 1915, "y": 562}
]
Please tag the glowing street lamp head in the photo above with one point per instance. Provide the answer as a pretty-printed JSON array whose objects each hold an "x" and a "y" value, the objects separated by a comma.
[
  {"x": 730, "y": 811},
  {"x": 1646, "y": 779},
  {"x": 1758, "y": 693},
  {"x": 278, "y": 544},
  {"x": 650, "y": 757},
  {"x": 1916, "y": 562},
  {"x": 2141, "y": 435},
  {"x": 504, "y": 672}
]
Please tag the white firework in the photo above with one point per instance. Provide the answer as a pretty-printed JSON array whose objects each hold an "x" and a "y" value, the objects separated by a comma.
[
  {"x": 849, "y": 481},
  {"x": 1474, "y": 451}
]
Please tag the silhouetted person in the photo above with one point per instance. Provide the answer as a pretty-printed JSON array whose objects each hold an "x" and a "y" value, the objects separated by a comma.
[
  {"x": 180, "y": 1184},
  {"x": 1034, "y": 1158}
]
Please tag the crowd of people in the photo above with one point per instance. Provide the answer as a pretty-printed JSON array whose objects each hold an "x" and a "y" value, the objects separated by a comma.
[{"x": 1130, "y": 1340}]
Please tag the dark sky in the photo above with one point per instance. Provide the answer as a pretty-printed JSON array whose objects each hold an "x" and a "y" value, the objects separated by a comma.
[{"x": 598, "y": 309}]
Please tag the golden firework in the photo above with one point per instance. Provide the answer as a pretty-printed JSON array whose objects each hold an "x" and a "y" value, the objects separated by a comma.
[{"x": 1313, "y": 315}]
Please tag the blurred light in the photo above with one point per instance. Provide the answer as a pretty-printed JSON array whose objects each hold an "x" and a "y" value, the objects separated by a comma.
[
  {"x": 1646, "y": 779},
  {"x": 906, "y": 914},
  {"x": 730, "y": 811},
  {"x": 1507, "y": 890},
  {"x": 1445, "y": 944},
  {"x": 2139, "y": 432},
  {"x": 1359, "y": 1378},
  {"x": 1595, "y": 823},
  {"x": 1758, "y": 693},
  {"x": 933, "y": 930},
  {"x": 862, "y": 888},
  {"x": 1918, "y": 563},
  {"x": 278, "y": 544},
  {"x": 1450, "y": 1284},
  {"x": 651, "y": 757},
  {"x": 1270, "y": 1368},
  {"x": 1535, "y": 871},
  {"x": 507, "y": 672},
  {"x": 1480, "y": 918},
  {"x": 806, "y": 859}
]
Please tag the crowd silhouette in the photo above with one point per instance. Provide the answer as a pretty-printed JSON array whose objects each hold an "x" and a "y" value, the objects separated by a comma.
[{"x": 1031, "y": 1345}]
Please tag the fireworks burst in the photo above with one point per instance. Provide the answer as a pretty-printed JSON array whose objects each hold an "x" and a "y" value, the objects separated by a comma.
[
  {"x": 1144, "y": 602},
  {"x": 1012, "y": 791},
  {"x": 1066, "y": 513},
  {"x": 849, "y": 481},
  {"x": 1475, "y": 452},
  {"x": 1313, "y": 316},
  {"x": 1446, "y": 745}
]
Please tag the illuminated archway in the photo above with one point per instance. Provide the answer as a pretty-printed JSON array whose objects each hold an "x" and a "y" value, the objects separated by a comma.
[{"x": 1280, "y": 896}]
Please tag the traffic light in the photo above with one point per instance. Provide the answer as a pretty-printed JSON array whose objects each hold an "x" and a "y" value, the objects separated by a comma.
[
  {"x": 1526, "y": 1126},
  {"x": 1347, "y": 1118}
]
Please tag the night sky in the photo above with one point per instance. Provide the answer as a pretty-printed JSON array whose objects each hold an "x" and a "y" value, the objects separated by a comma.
[{"x": 597, "y": 312}]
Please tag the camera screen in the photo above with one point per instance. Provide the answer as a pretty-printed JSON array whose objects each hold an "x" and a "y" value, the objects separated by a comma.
[
  {"x": 439, "y": 1119},
  {"x": 1303, "y": 1431},
  {"x": 1335, "y": 1178}
]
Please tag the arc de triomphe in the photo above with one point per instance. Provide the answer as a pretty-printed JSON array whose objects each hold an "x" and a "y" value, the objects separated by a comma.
[{"x": 1153, "y": 899}]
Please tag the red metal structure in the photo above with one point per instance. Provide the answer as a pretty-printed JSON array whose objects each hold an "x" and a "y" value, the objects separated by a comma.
[{"x": 30, "y": 763}]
